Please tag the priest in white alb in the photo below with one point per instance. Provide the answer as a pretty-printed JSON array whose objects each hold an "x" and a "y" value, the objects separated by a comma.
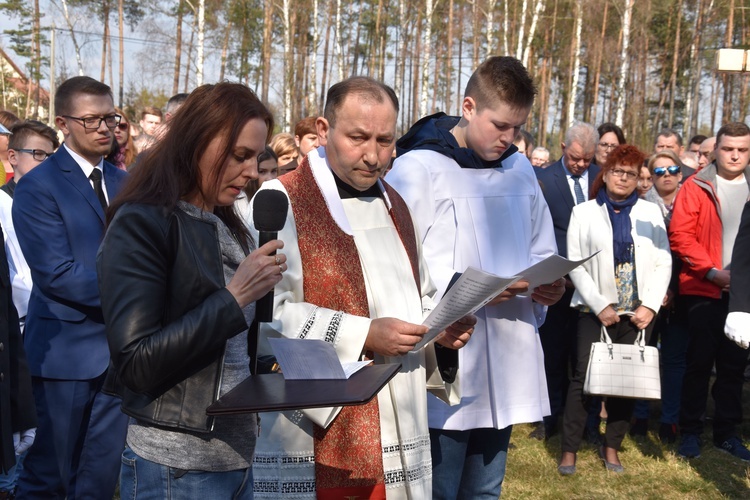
[{"x": 356, "y": 279}]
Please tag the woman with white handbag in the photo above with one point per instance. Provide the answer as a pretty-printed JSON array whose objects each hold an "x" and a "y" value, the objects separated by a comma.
[{"x": 630, "y": 273}]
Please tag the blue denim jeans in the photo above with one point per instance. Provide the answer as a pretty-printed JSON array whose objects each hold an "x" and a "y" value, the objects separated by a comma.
[
  {"x": 141, "y": 479},
  {"x": 468, "y": 464},
  {"x": 8, "y": 481},
  {"x": 672, "y": 349}
]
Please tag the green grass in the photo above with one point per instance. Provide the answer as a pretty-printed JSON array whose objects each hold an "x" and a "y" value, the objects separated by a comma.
[{"x": 652, "y": 470}]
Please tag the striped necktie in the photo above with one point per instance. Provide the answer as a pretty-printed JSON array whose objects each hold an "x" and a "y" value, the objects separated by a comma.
[{"x": 578, "y": 190}]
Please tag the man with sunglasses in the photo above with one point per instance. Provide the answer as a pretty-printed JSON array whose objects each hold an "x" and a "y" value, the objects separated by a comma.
[
  {"x": 702, "y": 233},
  {"x": 58, "y": 212}
]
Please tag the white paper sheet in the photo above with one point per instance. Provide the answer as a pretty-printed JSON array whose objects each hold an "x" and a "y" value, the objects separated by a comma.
[
  {"x": 309, "y": 359},
  {"x": 475, "y": 288}
]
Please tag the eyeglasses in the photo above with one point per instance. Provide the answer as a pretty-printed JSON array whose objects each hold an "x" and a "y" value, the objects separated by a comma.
[
  {"x": 37, "y": 154},
  {"x": 673, "y": 170},
  {"x": 94, "y": 122},
  {"x": 122, "y": 126},
  {"x": 607, "y": 146},
  {"x": 631, "y": 176}
]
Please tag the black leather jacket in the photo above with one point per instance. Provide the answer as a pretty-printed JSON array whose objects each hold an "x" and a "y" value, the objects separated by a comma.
[{"x": 168, "y": 314}]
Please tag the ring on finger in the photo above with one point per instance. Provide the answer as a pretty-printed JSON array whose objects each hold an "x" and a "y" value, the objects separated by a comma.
[{"x": 278, "y": 260}]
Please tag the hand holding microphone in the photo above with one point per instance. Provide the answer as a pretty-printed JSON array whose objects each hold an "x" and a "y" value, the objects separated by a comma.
[{"x": 262, "y": 269}]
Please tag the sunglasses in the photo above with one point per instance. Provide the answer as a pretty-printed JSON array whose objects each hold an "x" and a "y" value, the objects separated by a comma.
[
  {"x": 123, "y": 126},
  {"x": 673, "y": 170}
]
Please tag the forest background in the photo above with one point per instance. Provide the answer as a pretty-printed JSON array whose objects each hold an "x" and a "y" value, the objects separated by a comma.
[{"x": 644, "y": 64}]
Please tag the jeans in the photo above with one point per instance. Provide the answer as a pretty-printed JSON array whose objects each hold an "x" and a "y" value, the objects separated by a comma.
[
  {"x": 674, "y": 340},
  {"x": 141, "y": 479},
  {"x": 468, "y": 465},
  {"x": 8, "y": 480}
]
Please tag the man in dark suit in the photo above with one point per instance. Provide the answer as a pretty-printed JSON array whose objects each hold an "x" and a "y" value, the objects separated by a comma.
[
  {"x": 58, "y": 212},
  {"x": 565, "y": 184}
]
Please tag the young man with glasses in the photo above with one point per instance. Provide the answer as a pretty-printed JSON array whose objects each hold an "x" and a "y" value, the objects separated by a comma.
[
  {"x": 30, "y": 142},
  {"x": 58, "y": 211}
]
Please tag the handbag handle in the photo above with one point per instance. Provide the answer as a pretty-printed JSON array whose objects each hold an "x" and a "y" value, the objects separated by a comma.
[{"x": 640, "y": 340}]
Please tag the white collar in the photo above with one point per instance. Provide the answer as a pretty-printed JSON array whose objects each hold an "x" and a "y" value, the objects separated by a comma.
[
  {"x": 84, "y": 163},
  {"x": 324, "y": 179}
]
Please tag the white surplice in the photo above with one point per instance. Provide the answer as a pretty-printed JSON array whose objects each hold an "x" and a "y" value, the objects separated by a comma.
[
  {"x": 284, "y": 466},
  {"x": 494, "y": 219}
]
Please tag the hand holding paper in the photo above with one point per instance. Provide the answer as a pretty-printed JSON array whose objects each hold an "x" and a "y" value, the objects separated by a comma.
[
  {"x": 476, "y": 288},
  {"x": 458, "y": 334}
]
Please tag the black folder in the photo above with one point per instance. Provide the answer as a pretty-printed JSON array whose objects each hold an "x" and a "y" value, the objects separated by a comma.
[{"x": 271, "y": 392}]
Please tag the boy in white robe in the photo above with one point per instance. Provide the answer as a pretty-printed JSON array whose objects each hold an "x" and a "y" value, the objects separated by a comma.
[{"x": 478, "y": 203}]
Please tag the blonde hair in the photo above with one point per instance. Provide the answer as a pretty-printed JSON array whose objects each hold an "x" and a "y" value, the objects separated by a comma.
[{"x": 283, "y": 144}]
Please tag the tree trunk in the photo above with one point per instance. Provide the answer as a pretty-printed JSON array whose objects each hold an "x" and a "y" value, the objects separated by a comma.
[
  {"x": 539, "y": 7},
  {"x": 598, "y": 66},
  {"x": 73, "y": 39},
  {"x": 225, "y": 49},
  {"x": 121, "y": 53},
  {"x": 287, "y": 72},
  {"x": 506, "y": 29},
  {"x": 401, "y": 49},
  {"x": 448, "y": 58},
  {"x": 416, "y": 55},
  {"x": 190, "y": 53},
  {"x": 714, "y": 101},
  {"x": 675, "y": 61},
  {"x": 178, "y": 46},
  {"x": 355, "y": 64},
  {"x": 105, "y": 38},
  {"x": 324, "y": 76},
  {"x": 312, "y": 101},
  {"x": 576, "y": 59},
  {"x": 726, "y": 115},
  {"x": 265, "y": 77},
  {"x": 522, "y": 22},
  {"x": 427, "y": 37},
  {"x": 201, "y": 38},
  {"x": 475, "y": 34},
  {"x": 459, "y": 89},
  {"x": 624, "y": 57},
  {"x": 338, "y": 39},
  {"x": 36, "y": 34}
]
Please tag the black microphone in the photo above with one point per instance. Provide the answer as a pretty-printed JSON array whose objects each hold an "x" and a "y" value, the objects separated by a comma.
[{"x": 269, "y": 215}]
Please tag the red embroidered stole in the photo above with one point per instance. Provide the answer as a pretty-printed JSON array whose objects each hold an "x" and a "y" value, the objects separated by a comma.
[{"x": 348, "y": 454}]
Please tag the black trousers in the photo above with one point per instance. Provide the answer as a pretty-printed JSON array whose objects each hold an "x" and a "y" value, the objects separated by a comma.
[
  {"x": 708, "y": 346},
  {"x": 558, "y": 338},
  {"x": 619, "y": 410}
]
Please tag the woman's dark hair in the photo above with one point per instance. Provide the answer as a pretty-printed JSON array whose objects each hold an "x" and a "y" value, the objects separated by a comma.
[
  {"x": 169, "y": 170},
  {"x": 625, "y": 155},
  {"x": 607, "y": 127}
]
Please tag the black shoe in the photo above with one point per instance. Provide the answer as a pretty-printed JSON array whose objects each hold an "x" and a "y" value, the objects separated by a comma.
[
  {"x": 668, "y": 433},
  {"x": 539, "y": 432},
  {"x": 639, "y": 428}
]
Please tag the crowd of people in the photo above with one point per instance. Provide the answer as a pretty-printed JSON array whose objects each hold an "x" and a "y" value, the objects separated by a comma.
[{"x": 132, "y": 270}]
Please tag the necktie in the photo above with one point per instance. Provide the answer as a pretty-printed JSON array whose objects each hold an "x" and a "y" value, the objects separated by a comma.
[
  {"x": 578, "y": 190},
  {"x": 96, "y": 179}
]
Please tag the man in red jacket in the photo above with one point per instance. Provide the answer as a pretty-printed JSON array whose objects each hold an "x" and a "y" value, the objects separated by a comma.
[{"x": 704, "y": 226}]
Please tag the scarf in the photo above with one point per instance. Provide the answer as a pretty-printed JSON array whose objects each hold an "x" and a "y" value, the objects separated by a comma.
[{"x": 621, "y": 225}]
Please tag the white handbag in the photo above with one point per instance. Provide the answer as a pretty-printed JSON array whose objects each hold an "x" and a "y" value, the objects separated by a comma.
[{"x": 623, "y": 370}]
